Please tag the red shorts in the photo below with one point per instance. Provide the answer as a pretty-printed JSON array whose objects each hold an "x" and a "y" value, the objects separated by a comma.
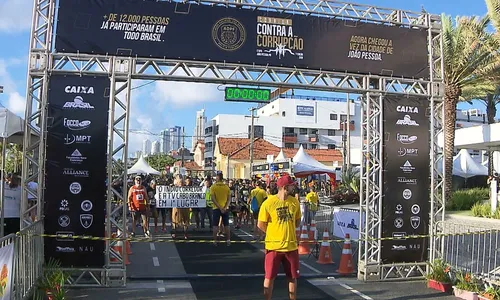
[{"x": 274, "y": 259}]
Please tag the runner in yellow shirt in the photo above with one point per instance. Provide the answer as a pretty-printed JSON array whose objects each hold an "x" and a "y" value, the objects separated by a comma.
[
  {"x": 312, "y": 199},
  {"x": 257, "y": 196},
  {"x": 221, "y": 198},
  {"x": 279, "y": 215}
]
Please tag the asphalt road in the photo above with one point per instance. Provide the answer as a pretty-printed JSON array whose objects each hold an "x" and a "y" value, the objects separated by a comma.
[{"x": 200, "y": 270}]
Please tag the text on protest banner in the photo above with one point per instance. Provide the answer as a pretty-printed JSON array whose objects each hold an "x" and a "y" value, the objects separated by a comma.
[{"x": 180, "y": 197}]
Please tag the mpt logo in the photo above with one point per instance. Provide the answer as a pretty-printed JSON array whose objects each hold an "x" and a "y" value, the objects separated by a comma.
[
  {"x": 76, "y": 139},
  {"x": 407, "y": 121},
  {"x": 407, "y": 152}
]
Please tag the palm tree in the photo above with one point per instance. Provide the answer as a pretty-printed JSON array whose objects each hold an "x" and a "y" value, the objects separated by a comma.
[{"x": 471, "y": 63}]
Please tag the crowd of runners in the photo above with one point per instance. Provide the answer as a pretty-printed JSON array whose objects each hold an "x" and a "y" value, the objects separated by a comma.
[{"x": 241, "y": 208}]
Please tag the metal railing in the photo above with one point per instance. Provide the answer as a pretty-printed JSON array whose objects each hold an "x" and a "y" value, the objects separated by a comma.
[
  {"x": 472, "y": 248},
  {"x": 324, "y": 219},
  {"x": 28, "y": 259}
]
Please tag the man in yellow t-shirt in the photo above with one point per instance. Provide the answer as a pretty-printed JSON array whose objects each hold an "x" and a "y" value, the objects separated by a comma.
[
  {"x": 260, "y": 195},
  {"x": 221, "y": 198},
  {"x": 312, "y": 203},
  {"x": 279, "y": 215}
]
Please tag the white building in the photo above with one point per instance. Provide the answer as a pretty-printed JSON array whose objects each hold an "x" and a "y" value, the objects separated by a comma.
[
  {"x": 291, "y": 122},
  {"x": 199, "y": 128},
  {"x": 164, "y": 145},
  {"x": 146, "y": 147},
  {"x": 155, "y": 147},
  {"x": 170, "y": 139},
  {"x": 138, "y": 153},
  {"x": 468, "y": 118}
]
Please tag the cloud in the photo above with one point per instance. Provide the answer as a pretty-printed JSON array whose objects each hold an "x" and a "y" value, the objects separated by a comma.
[
  {"x": 16, "y": 103},
  {"x": 15, "y": 15},
  {"x": 184, "y": 94}
]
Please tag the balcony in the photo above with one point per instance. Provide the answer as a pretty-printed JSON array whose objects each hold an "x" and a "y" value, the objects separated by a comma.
[
  {"x": 313, "y": 138},
  {"x": 352, "y": 127},
  {"x": 289, "y": 138}
]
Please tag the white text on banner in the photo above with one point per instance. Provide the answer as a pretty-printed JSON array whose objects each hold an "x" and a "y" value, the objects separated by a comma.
[{"x": 180, "y": 197}]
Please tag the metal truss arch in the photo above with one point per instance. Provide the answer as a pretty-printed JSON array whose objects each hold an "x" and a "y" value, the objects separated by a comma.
[{"x": 121, "y": 71}]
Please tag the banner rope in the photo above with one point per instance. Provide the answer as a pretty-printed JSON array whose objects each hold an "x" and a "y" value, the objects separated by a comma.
[{"x": 170, "y": 240}]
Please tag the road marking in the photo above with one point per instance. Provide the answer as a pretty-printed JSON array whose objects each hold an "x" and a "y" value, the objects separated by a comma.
[
  {"x": 152, "y": 246},
  {"x": 311, "y": 268},
  {"x": 156, "y": 262},
  {"x": 161, "y": 288},
  {"x": 248, "y": 234},
  {"x": 345, "y": 286}
]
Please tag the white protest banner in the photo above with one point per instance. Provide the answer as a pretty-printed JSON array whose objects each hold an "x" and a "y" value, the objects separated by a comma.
[
  {"x": 180, "y": 197},
  {"x": 6, "y": 270}
]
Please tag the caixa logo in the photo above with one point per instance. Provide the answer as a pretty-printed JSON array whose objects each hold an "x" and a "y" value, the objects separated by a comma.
[
  {"x": 352, "y": 225},
  {"x": 76, "y": 124}
]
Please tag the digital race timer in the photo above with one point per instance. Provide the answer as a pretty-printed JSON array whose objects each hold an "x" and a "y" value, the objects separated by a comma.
[{"x": 238, "y": 94}]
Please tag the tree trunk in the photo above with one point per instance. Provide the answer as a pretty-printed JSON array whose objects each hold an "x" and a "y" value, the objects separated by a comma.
[
  {"x": 491, "y": 111},
  {"x": 452, "y": 93}
]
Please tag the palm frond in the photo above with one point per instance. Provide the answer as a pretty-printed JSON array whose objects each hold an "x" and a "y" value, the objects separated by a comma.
[{"x": 494, "y": 12}]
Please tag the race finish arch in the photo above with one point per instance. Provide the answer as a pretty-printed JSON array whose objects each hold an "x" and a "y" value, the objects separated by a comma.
[{"x": 392, "y": 57}]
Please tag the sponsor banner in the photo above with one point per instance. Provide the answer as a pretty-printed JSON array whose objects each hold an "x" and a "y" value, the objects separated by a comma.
[
  {"x": 346, "y": 222},
  {"x": 180, "y": 197},
  {"x": 174, "y": 30},
  {"x": 406, "y": 198},
  {"x": 75, "y": 192},
  {"x": 303, "y": 110},
  {"x": 6, "y": 271}
]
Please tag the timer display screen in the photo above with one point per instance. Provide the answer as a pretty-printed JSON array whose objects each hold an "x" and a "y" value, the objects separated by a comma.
[{"x": 238, "y": 94}]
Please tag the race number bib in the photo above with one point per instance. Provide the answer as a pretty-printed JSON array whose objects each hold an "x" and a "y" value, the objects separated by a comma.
[{"x": 140, "y": 197}]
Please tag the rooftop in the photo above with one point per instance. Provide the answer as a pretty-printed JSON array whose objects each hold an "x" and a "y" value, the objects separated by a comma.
[
  {"x": 239, "y": 148},
  {"x": 189, "y": 165}
]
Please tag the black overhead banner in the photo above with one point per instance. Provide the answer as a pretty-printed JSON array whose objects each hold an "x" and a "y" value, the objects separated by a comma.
[
  {"x": 75, "y": 193},
  {"x": 406, "y": 198},
  {"x": 173, "y": 30}
]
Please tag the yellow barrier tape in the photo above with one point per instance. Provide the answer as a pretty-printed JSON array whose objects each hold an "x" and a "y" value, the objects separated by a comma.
[{"x": 170, "y": 240}]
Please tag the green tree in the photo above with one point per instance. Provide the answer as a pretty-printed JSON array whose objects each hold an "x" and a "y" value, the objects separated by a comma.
[
  {"x": 471, "y": 64},
  {"x": 160, "y": 160},
  {"x": 13, "y": 158}
]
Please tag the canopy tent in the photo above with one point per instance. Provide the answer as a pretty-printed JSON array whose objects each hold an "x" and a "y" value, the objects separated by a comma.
[
  {"x": 281, "y": 157},
  {"x": 465, "y": 166},
  {"x": 11, "y": 131},
  {"x": 142, "y": 167},
  {"x": 304, "y": 165}
]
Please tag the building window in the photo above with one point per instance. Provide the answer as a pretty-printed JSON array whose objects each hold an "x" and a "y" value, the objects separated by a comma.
[
  {"x": 314, "y": 131},
  {"x": 303, "y": 131},
  {"x": 289, "y": 145},
  {"x": 333, "y": 117},
  {"x": 283, "y": 114},
  {"x": 343, "y": 118},
  {"x": 332, "y": 146},
  {"x": 331, "y": 132},
  {"x": 258, "y": 131},
  {"x": 314, "y": 146},
  {"x": 289, "y": 130},
  {"x": 304, "y": 146},
  {"x": 216, "y": 130}
]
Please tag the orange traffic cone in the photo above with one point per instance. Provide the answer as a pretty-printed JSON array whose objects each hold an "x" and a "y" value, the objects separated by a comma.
[
  {"x": 325, "y": 252},
  {"x": 346, "y": 267},
  {"x": 297, "y": 233},
  {"x": 303, "y": 243},
  {"x": 119, "y": 249},
  {"x": 313, "y": 232}
]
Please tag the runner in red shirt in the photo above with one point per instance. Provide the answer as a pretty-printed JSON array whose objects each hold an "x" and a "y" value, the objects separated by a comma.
[{"x": 137, "y": 203}]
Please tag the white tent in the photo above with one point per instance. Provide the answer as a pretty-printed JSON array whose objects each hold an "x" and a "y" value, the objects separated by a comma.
[
  {"x": 142, "y": 167},
  {"x": 281, "y": 157},
  {"x": 11, "y": 131},
  {"x": 465, "y": 166},
  {"x": 304, "y": 165}
]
